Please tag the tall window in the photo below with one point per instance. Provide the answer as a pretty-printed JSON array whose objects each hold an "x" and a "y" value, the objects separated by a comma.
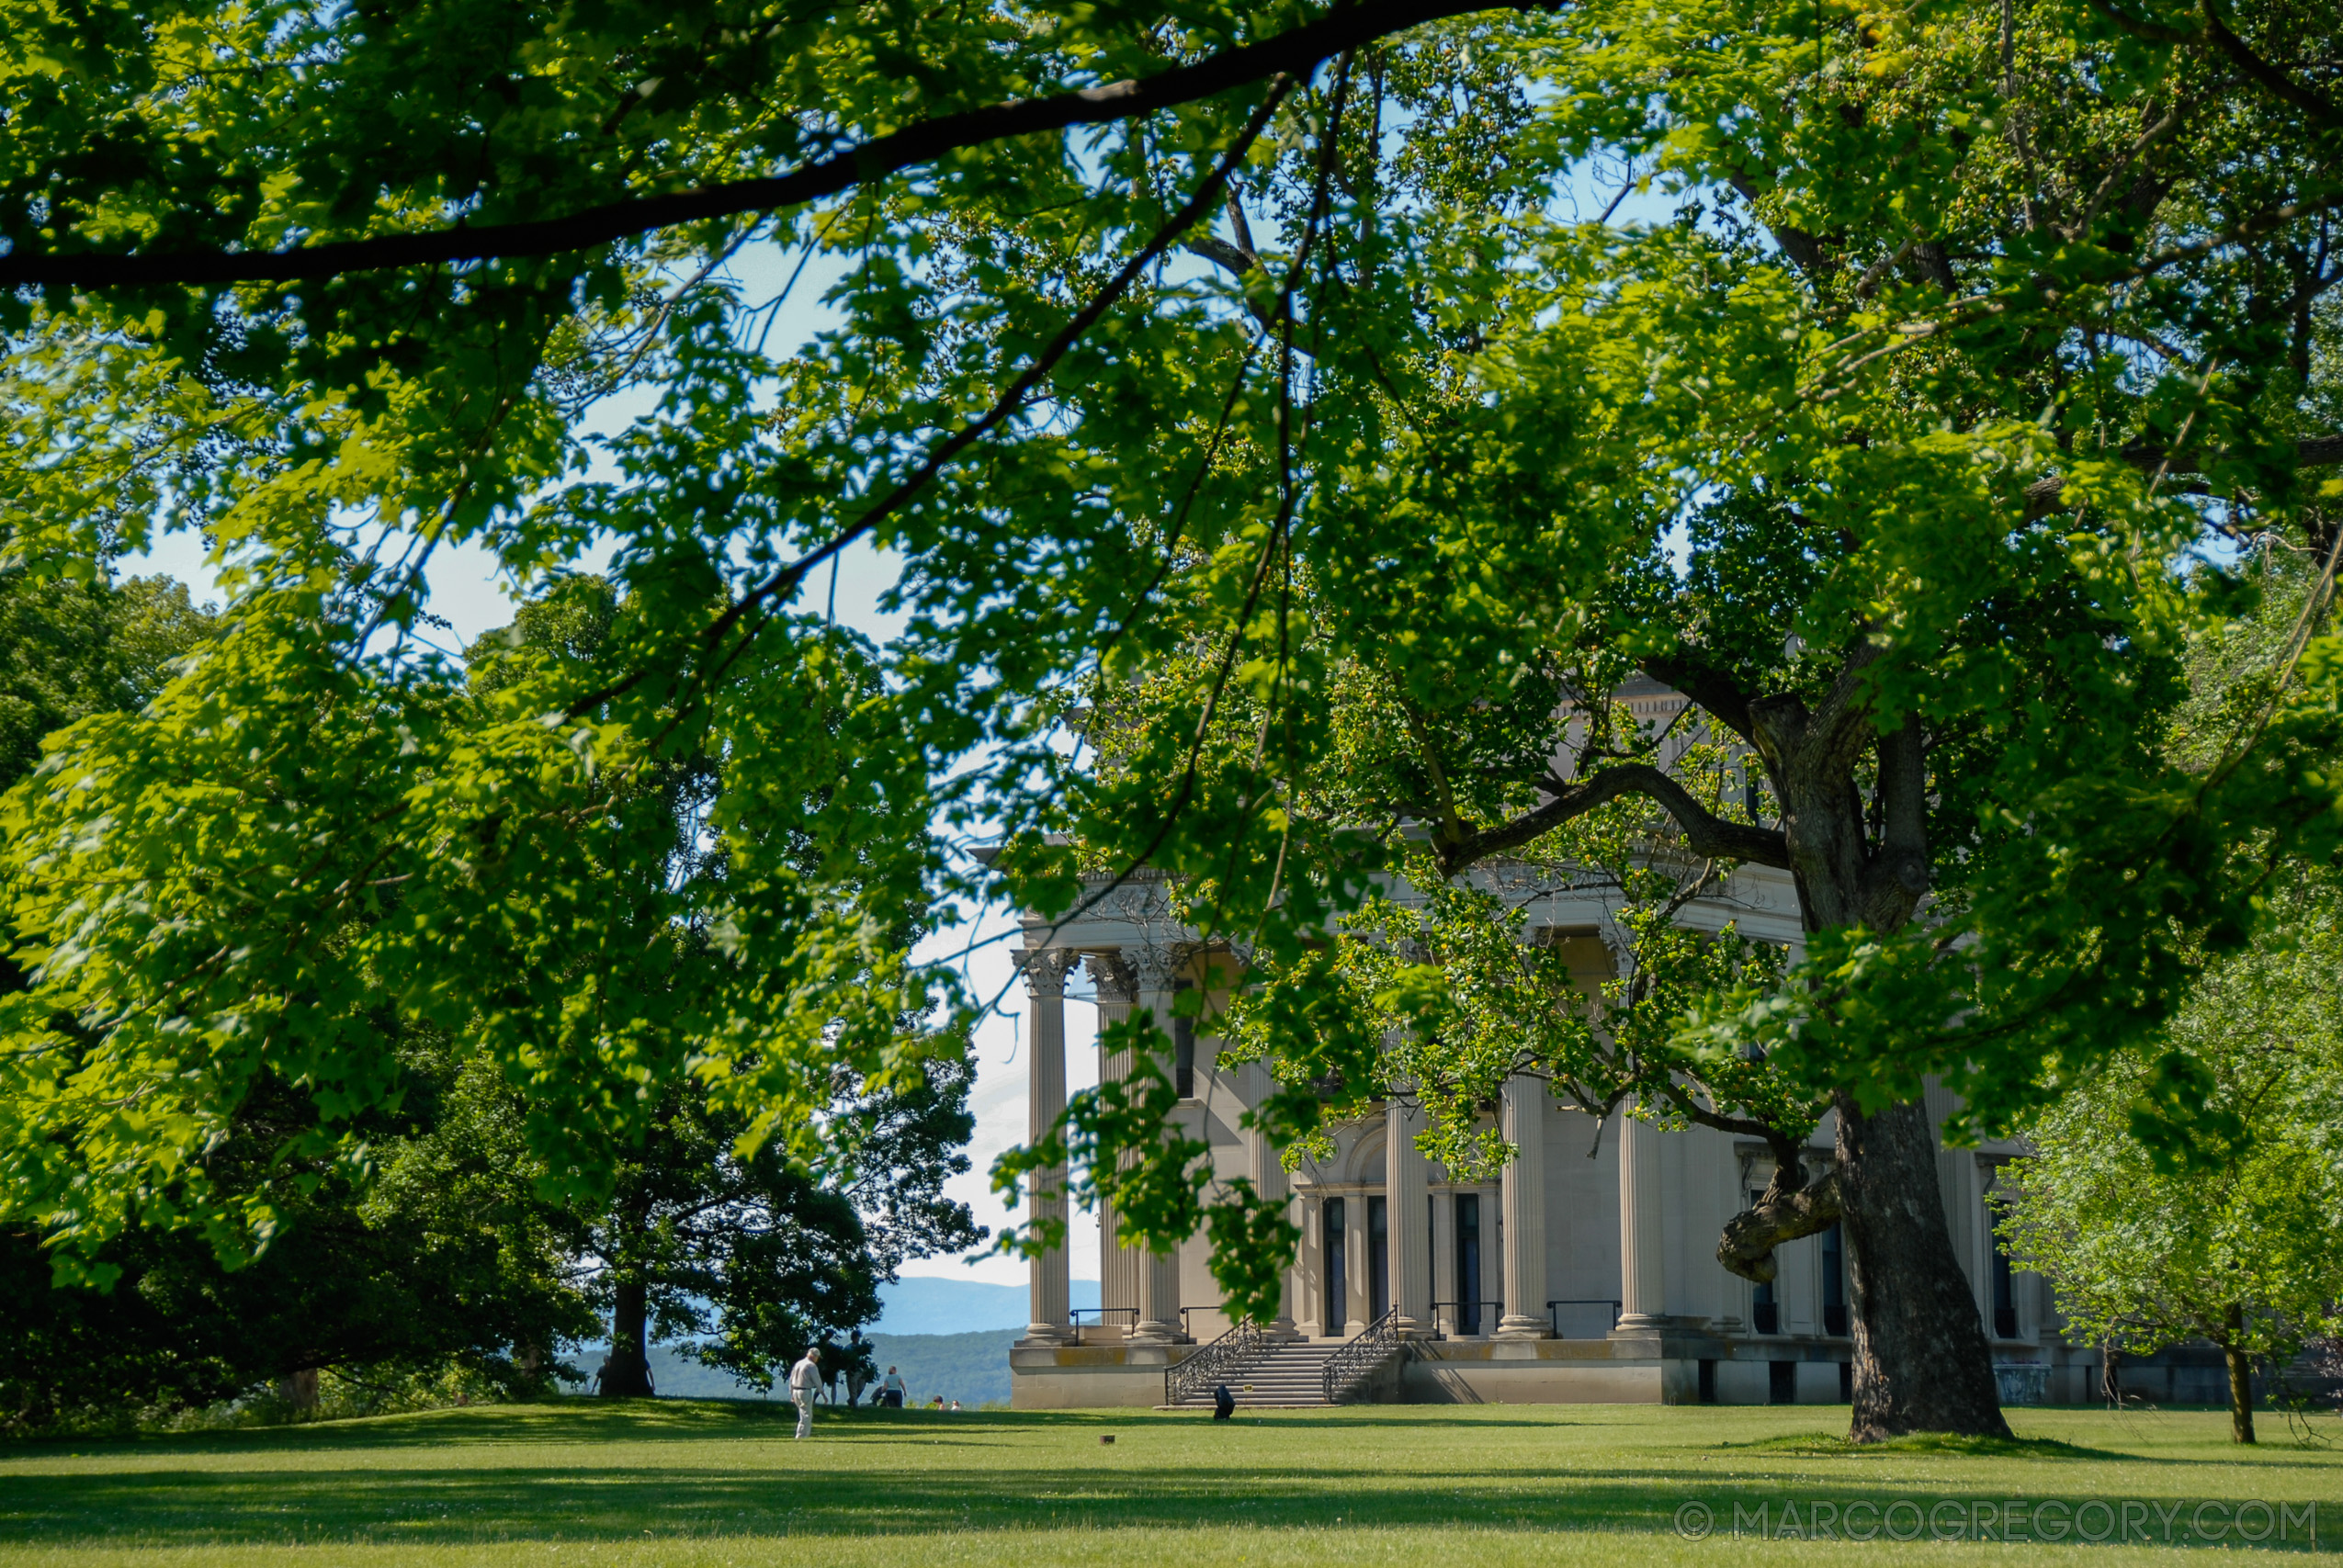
[
  {"x": 2005, "y": 1290},
  {"x": 1338, "y": 1285},
  {"x": 1834, "y": 1280},
  {"x": 1183, "y": 1057},
  {"x": 1468, "y": 1263},
  {"x": 1378, "y": 1257}
]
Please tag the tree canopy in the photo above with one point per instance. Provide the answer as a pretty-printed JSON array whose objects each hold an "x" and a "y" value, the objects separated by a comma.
[{"x": 1283, "y": 388}]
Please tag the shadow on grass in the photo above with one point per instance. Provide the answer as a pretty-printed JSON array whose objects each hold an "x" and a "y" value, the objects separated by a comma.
[
  {"x": 455, "y": 1507},
  {"x": 904, "y": 1473},
  {"x": 1823, "y": 1445}
]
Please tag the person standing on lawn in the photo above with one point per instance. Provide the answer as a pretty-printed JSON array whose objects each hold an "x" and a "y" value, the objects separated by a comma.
[
  {"x": 891, "y": 1390},
  {"x": 804, "y": 1379}
]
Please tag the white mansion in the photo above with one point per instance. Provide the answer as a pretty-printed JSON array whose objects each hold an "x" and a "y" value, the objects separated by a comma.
[{"x": 1586, "y": 1272}]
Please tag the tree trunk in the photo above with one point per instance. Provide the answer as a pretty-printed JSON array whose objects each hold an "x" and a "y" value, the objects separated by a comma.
[
  {"x": 626, "y": 1374},
  {"x": 1859, "y": 856},
  {"x": 299, "y": 1389},
  {"x": 1920, "y": 1361},
  {"x": 2241, "y": 1379},
  {"x": 1921, "y": 1364}
]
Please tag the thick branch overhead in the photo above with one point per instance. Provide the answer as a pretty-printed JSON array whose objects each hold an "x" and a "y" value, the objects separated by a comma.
[
  {"x": 1709, "y": 835},
  {"x": 2318, "y": 451},
  {"x": 1294, "y": 52}
]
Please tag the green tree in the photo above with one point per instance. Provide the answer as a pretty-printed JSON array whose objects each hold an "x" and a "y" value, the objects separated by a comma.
[
  {"x": 708, "y": 1229},
  {"x": 430, "y": 1250},
  {"x": 75, "y": 649},
  {"x": 1877, "y": 433},
  {"x": 751, "y": 1259},
  {"x": 1873, "y": 470},
  {"x": 432, "y": 1254},
  {"x": 2233, "y": 1239}
]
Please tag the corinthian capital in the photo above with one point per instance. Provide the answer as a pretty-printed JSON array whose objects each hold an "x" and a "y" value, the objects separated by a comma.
[
  {"x": 1114, "y": 977},
  {"x": 1155, "y": 964},
  {"x": 1045, "y": 969}
]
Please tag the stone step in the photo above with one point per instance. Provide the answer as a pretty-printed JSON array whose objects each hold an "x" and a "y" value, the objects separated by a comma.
[{"x": 1283, "y": 1376}]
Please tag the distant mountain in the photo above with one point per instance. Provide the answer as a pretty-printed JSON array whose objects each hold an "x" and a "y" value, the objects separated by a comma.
[
  {"x": 927, "y": 1304},
  {"x": 949, "y": 1336},
  {"x": 970, "y": 1368}
]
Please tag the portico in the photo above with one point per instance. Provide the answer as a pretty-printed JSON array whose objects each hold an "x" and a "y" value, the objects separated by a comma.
[{"x": 1585, "y": 1271}]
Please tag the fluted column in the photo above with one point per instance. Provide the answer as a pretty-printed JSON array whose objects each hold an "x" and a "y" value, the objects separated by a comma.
[
  {"x": 1524, "y": 1199},
  {"x": 1643, "y": 1282},
  {"x": 1407, "y": 1178},
  {"x": 1044, "y": 1102},
  {"x": 1160, "y": 1273},
  {"x": 1118, "y": 1266}
]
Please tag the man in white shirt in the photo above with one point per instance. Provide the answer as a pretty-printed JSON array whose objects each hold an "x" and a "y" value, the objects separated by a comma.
[
  {"x": 891, "y": 1390},
  {"x": 804, "y": 1378}
]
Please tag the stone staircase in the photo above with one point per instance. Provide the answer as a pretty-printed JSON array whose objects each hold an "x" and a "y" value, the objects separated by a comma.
[{"x": 1276, "y": 1375}]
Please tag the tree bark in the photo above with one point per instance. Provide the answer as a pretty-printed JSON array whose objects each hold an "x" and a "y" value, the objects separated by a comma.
[
  {"x": 2241, "y": 1379},
  {"x": 1751, "y": 1237},
  {"x": 1921, "y": 1363},
  {"x": 1920, "y": 1359},
  {"x": 626, "y": 1374}
]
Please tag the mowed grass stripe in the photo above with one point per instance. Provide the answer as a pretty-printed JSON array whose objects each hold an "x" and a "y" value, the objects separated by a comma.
[{"x": 691, "y": 1482}]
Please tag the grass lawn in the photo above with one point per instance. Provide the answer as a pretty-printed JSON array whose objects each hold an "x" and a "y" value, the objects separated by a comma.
[{"x": 677, "y": 1483}]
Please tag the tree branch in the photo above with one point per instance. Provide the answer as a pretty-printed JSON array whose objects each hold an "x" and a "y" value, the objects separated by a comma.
[
  {"x": 1296, "y": 52},
  {"x": 1711, "y": 835},
  {"x": 1751, "y": 1237},
  {"x": 1898, "y": 875},
  {"x": 1012, "y": 400},
  {"x": 1238, "y": 261},
  {"x": 1711, "y": 691},
  {"x": 1841, "y": 723},
  {"x": 1788, "y": 1172},
  {"x": 1803, "y": 250},
  {"x": 2043, "y": 495},
  {"x": 2284, "y": 86}
]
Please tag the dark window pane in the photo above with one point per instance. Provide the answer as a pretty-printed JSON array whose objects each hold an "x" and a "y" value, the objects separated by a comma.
[{"x": 1338, "y": 1309}]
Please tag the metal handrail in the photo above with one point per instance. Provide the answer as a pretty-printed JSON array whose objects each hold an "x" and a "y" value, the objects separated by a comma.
[
  {"x": 1104, "y": 1313},
  {"x": 1553, "y": 1320},
  {"x": 1214, "y": 1363},
  {"x": 1367, "y": 1351}
]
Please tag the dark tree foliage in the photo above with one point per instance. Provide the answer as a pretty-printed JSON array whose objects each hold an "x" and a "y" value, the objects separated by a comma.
[{"x": 436, "y": 1254}]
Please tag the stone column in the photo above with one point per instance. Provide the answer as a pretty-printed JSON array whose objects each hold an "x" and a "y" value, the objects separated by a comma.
[
  {"x": 1044, "y": 1104},
  {"x": 1156, "y": 967},
  {"x": 1524, "y": 1199},
  {"x": 1643, "y": 1282},
  {"x": 1270, "y": 1181},
  {"x": 1118, "y": 1266},
  {"x": 1407, "y": 1178}
]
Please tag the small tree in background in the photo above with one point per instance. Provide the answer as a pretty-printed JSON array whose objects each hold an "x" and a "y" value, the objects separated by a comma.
[
  {"x": 753, "y": 1257},
  {"x": 2151, "y": 1240}
]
